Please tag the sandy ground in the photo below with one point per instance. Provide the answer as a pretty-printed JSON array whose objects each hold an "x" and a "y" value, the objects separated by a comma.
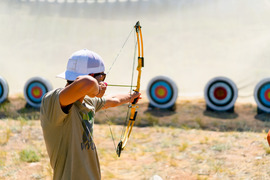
[{"x": 186, "y": 144}]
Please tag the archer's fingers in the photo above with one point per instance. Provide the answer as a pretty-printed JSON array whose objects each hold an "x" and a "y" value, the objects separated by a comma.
[{"x": 136, "y": 94}]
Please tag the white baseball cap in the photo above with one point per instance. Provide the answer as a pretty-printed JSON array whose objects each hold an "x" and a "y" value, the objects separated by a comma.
[{"x": 82, "y": 62}]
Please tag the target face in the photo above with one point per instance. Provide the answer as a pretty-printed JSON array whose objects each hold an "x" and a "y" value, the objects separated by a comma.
[
  {"x": 162, "y": 92},
  {"x": 262, "y": 94},
  {"x": 220, "y": 94},
  {"x": 34, "y": 90},
  {"x": 4, "y": 90}
]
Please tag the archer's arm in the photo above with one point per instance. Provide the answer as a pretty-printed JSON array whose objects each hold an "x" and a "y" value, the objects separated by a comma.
[
  {"x": 119, "y": 99},
  {"x": 83, "y": 85}
]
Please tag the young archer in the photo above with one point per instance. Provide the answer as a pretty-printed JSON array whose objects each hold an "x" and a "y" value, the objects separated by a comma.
[{"x": 67, "y": 117}]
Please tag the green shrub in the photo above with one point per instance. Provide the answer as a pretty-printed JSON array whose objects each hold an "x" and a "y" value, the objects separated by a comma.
[{"x": 29, "y": 155}]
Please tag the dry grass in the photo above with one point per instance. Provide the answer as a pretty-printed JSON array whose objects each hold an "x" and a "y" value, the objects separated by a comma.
[{"x": 188, "y": 148}]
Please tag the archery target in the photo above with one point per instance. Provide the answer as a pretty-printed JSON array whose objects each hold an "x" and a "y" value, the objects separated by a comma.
[
  {"x": 220, "y": 94},
  {"x": 162, "y": 92},
  {"x": 34, "y": 90},
  {"x": 4, "y": 90},
  {"x": 262, "y": 95}
]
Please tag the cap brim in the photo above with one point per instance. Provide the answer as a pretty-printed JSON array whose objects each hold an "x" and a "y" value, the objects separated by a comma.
[{"x": 68, "y": 75}]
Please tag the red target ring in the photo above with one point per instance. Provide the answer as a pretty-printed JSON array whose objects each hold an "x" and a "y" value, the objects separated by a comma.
[
  {"x": 220, "y": 93},
  {"x": 34, "y": 89},
  {"x": 267, "y": 95},
  {"x": 161, "y": 92},
  {"x": 262, "y": 95},
  {"x": 36, "y": 92}
]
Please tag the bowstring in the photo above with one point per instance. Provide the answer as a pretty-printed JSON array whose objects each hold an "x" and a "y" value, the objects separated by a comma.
[
  {"x": 118, "y": 54},
  {"x": 108, "y": 120},
  {"x": 132, "y": 79},
  {"x": 110, "y": 129}
]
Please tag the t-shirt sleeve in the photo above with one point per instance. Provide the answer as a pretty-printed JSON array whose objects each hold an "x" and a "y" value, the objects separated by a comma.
[
  {"x": 98, "y": 103},
  {"x": 51, "y": 111}
]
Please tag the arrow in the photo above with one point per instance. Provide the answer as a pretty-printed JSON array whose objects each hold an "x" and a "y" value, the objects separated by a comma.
[{"x": 120, "y": 85}]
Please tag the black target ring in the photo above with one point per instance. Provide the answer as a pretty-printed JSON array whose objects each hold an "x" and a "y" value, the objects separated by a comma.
[
  {"x": 34, "y": 90},
  {"x": 265, "y": 102},
  {"x": 214, "y": 102},
  {"x": 4, "y": 89},
  {"x": 40, "y": 89},
  {"x": 158, "y": 98},
  {"x": 1, "y": 90},
  {"x": 262, "y": 95},
  {"x": 162, "y": 92},
  {"x": 220, "y": 94}
]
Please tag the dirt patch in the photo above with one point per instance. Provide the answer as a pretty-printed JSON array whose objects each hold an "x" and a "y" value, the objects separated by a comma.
[{"x": 193, "y": 115}]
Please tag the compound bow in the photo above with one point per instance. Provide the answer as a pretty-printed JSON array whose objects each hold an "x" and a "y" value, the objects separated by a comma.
[{"x": 133, "y": 106}]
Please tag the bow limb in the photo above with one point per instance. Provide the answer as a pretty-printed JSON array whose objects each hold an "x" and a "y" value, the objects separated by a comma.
[{"x": 133, "y": 106}]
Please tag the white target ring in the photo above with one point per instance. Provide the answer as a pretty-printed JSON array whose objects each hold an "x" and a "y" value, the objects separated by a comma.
[
  {"x": 262, "y": 95},
  {"x": 220, "y": 94},
  {"x": 162, "y": 92},
  {"x": 4, "y": 90},
  {"x": 34, "y": 90}
]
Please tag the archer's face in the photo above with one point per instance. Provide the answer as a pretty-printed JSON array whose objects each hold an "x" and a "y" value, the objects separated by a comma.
[{"x": 99, "y": 76}]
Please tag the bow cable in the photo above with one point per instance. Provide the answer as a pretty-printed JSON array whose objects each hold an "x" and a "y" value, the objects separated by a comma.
[
  {"x": 118, "y": 54},
  {"x": 129, "y": 104}
]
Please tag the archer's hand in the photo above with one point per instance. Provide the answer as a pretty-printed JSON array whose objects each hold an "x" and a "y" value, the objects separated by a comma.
[
  {"x": 135, "y": 96},
  {"x": 102, "y": 89}
]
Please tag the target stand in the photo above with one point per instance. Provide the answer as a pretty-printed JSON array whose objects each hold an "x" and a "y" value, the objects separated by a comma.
[
  {"x": 262, "y": 96},
  {"x": 4, "y": 90},
  {"x": 34, "y": 90},
  {"x": 220, "y": 94},
  {"x": 162, "y": 93}
]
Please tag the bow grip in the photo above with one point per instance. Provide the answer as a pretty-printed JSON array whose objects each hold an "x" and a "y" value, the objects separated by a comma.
[
  {"x": 133, "y": 118},
  {"x": 135, "y": 100}
]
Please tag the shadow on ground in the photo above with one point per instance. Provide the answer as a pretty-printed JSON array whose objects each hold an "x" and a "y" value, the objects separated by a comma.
[
  {"x": 186, "y": 115},
  {"x": 17, "y": 108}
]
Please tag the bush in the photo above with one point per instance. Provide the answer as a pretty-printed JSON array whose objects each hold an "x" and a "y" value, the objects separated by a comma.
[{"x": 29, "y": 155}]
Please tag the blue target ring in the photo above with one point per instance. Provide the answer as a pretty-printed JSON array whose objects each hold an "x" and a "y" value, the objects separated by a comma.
[
  {"x": 1, "y": 90},
  {"x": 34, "y": 90},
  {"x": 4, "y": 90},
  {"x": 162, "y": 92},
  {"x": 264, "y": 93}
]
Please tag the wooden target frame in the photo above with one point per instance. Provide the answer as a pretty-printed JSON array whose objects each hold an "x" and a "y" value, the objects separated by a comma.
[
  {"x": 34, "y": 90},
  {"x": 262, "y": 95},
  {"x": 220, "y": 94},
  {"x": 4, "y": 89},
  {"x": 162, "y": 92}
]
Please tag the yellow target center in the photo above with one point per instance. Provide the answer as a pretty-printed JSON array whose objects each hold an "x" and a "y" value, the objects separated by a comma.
[
  {"x": 220, "y": 93},
  {"x": 36, "y": 92},
  {"x": 268, "y": 95},
  {"x": 161, "y": 92}
]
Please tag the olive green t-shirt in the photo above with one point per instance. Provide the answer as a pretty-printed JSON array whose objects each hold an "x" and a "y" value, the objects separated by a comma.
[{"x": 69, "y": 137}]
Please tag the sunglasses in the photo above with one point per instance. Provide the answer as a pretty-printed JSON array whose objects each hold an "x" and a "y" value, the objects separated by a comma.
[{"x": 102, "y": 78}]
